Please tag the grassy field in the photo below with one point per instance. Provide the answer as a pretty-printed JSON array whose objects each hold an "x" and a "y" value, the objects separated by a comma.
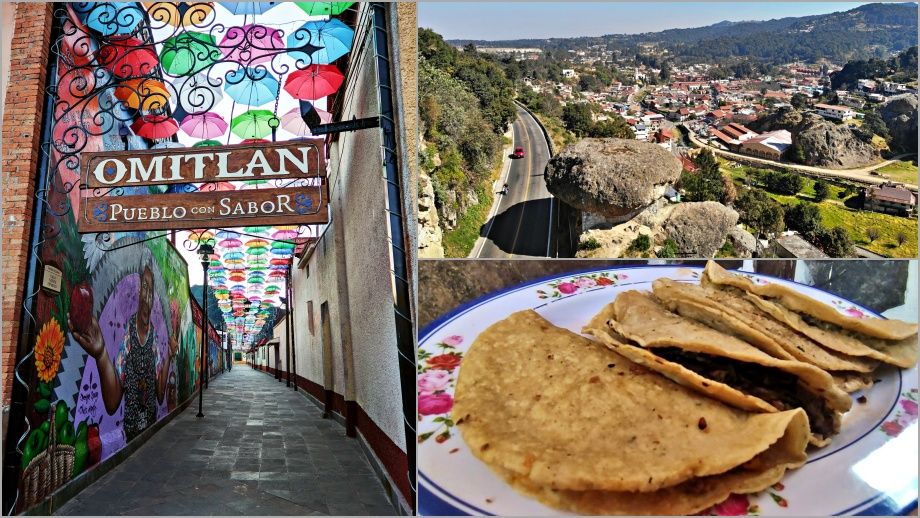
[
  {"x": 460, "y": 241},
  {"x": 834, "y": 213},
  {"x": 902, "y": 171}
]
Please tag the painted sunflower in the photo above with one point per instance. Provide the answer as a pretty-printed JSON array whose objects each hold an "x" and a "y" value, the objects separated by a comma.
[{"x": 48, "y": 348}]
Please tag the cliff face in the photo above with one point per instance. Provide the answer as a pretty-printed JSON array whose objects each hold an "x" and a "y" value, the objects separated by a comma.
[
  {"x": 430, "y": 236},
  {"x": 900, "y": 115},
  {"x": 823, "y": 143}
]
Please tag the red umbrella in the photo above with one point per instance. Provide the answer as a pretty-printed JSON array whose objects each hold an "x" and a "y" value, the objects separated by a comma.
[
  {"x": 314, "y": 82},
  {"x": 155, "y": 127},
  {"x": 128, "y": 57}
]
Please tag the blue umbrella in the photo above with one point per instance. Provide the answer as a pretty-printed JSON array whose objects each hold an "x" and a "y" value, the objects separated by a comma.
[
  {"x": 109, "y": 18},
  {"x": 251, "y": 86},
  {"x": 248, "y": 7},
  {"x": 332, "y": 37}
]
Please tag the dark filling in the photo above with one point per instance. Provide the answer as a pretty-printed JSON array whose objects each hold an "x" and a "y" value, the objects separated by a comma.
[{"x": 777, "y": 387}]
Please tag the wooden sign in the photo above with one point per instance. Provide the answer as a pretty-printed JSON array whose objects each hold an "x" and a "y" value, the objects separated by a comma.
[
  {"x": 257, "y": 161},
  {"x": 224, "y": 209}
]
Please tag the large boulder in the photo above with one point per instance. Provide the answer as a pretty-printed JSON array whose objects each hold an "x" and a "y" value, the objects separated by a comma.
[
  {"x": 430, "y": 236},
  {"x": 699, "y": 229},
  {"x": 900, "y": 115},
  {"x": 744, "y": 243},
  {"x": 611, "y": 177},
  {"x": 823, "y": 143}
]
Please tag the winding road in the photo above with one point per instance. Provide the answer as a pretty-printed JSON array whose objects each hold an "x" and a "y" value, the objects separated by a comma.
[{"x": 521, "y": 222}]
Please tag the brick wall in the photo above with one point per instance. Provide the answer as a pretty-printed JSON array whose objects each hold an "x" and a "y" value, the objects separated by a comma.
[{"x": 22, "y": 118}]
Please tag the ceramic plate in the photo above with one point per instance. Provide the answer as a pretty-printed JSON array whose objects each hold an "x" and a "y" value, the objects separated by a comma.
[{"x": 870, "y": 468}]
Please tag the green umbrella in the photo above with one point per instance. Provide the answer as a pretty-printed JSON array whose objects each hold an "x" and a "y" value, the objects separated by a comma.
[
  {"x": 256, "y": 230},
  {"x": 255, "y": 182},
  {"x": 323, "y": 8},
  {"x": 189, "y": 53},
  {"x": 205, "y": 143},
  {"x": 252, "y": 124}
]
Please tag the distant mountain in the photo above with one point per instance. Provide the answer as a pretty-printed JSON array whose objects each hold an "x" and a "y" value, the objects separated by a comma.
[{"x": 868, "y": 31}]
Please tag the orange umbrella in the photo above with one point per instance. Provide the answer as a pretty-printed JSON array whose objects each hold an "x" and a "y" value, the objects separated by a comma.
[{"x": 146, "y": 94}]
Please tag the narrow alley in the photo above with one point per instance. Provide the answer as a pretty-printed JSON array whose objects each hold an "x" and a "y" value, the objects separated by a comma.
[{"x": 261, "y": 449}]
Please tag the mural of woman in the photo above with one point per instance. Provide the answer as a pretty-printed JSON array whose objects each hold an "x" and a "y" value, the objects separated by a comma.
[{"x": 136, "y": 365}]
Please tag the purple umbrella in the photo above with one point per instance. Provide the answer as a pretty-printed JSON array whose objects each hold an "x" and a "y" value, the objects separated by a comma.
[
  {"x": 251, "y": 44},
  {"x": 204, "y": 125},
  {"x": 293, "y": 121}
]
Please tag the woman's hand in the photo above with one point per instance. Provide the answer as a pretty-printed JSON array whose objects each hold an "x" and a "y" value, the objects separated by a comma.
[{"x": 90, "y": 339}]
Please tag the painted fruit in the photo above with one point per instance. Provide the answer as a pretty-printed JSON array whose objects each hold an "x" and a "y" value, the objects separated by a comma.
[
  {"x": 45, "y": 428},
  {"x": 66, "y": 435},
  {"x": 81, "y": 306},
  {"x": 42, "y": 406},
  {"x": 60, "y": 415},
  {"x": 94, "y": 443},
  {"x": 81, "y": 450},
  {"x": 44, "y": 390}
]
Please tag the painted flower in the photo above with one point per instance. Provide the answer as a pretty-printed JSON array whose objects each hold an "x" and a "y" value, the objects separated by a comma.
[
  {"x": 48, "y": 348},
  {"x": 453, "y": 340},
  {"x": 447, "y": 362},
  {"x": 432, "y": 404},
  {"x": 567, "y": 288},
  {"x": 910, "y": 407},
  {"x": 892, "y": 428},
  {"x": 586, "y": 282},
  {"x": 853, "y": 312},
  {"x": 432, "y": 381},
  {"x": 734, "y": 505},
  {"x": 604, "y": 281}
]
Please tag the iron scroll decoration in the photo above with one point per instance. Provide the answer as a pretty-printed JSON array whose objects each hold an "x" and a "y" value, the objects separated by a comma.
[{"x": 89, "y": 64}]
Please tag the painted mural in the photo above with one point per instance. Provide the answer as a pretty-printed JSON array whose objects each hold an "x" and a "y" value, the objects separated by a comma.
[{"x": 115, "y": 350}]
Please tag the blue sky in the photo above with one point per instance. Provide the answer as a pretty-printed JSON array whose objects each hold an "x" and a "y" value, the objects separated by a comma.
[{"x": 510, "y": 20}]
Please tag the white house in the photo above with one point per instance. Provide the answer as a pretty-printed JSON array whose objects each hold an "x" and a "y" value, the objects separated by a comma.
[
  {"x": 568, "y": 73},
  {"x": 835, "y": 112}
]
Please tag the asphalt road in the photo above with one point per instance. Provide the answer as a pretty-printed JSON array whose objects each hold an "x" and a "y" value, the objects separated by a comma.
[{"x": 520, "y": 222}]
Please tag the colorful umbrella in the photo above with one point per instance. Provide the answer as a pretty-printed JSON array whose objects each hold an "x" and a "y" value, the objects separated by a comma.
[
  {"x": 256, "y": 230},
  {"x": 256, "y": 242},
  {"x": 206, "y": 143},
  {"x": 230, "y": 242},
  {"x": 259, "y": 250},
  {"x": 110, "y": 18},
  {"x": 128, "y": 57},
  {"x": 204, "y": 125},
  {"x": 180, "y": 14},
  {"x": 197, "y": 94},
  {"x": 251, "y": 86},
  {"x": 250, "y": 44},
  {"x": 155, "y": 127},
  {"x": 324, "y": 8},
  {"x": 314, "y": 82},
  {"x": 333, "y": 38},
  {"x": 253, "y": 124},
  {"x": 143, "y": 94},
  {"x": 189, "y": 53},
  {"x": 167, "y": 144},
  {"x": 248, "y": 7},
  {"x": 284, "y": 234},
  {"x": 296, "y": 122}
]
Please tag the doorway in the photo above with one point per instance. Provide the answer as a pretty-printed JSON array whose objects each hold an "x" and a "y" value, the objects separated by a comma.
[{"x": 328, "y": 362}]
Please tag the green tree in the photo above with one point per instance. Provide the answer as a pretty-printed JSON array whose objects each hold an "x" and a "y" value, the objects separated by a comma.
[
  {"x": 805, "y": 218},
  {"x": 706, "y": 183},
  {"x": 577, "y": 118},
  {"x": 614, "y": 126},
  {"x": 874, "y": 124},
  {"x": 799, "y": 101},
  {"x": 872, "y": 234},
  {"x": 757, "y": 210},
  {"x": 783, "y": 182},
  {"x": 821, "y": 191},
  {"x": 835, "y": 242}
]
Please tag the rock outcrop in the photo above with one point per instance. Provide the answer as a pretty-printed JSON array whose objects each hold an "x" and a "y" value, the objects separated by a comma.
[
  {"x": 612, "y": 178},
  {"x": 429, "y": 232},
  {"x": 744, "y": 243},
  {"x": 699, "y": 229},
  {"x": 900, "y": 115},
  {"x": 823, "y": 143}
]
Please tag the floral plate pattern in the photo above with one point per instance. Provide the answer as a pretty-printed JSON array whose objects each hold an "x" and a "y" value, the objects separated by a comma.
[{"x": 861, "y": 472}]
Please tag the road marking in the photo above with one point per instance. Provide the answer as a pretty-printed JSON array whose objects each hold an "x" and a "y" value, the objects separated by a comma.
[
  {"x": 517, "y": 230},
  {"x": 503, "y": 178}
]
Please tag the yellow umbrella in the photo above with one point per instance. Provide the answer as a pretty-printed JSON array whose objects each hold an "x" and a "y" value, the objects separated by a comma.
[
  {"x": 189, "y": 14},
  {"x": 148, "y": 94}
]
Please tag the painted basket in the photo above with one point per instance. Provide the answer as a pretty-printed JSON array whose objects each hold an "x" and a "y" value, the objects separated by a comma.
[{"x": 48, "y": 470}]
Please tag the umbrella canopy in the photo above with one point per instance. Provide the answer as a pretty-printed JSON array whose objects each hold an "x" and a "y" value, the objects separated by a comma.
[
  {"x": 204, "y": 125},
  {"x": 180, "y": 14},
  {"x": 189, "y": 53},
  {"x": 251, "y": 86},
  {"x": 314, "y": 82},
  {"x": 167, "y": 144},
  {"x": 299, "y": 123},
  {"x": 230, "y": 242},
  {"x": 128, "y": 57},
  {"x": 324, "y": 8},
  {"x": 333, "y": 38},
  {"x": 155, "y": 127},
  {"x": 196, "y": 94},
  {"x": 250, "y": 44},
  {"x": 109, "y": 18},
  {"x": 252, "y": 124},
  {"x": 143, "y": 94},
  {"x": 284, "y": 234},
  {"x": 248, "y": 7}
]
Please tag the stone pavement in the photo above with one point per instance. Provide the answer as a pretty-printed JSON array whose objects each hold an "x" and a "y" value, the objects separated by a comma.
[{"x": 261, "y": 449}]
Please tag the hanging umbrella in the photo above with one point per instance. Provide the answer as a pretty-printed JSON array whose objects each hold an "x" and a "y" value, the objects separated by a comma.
[
  {"x": 224, "y": 234},
  {"x": 256, "y": 230},
  {"x": 233, "y": 255},
  {"x": 224, "y": 186},
  {"x": 299, "y": 122},
  {"x": 155, "y": 127},
  {"x": 256, "y": 242},
  {"x": 180, "y": 14},
  {"x": 250, "y": 44},
  {"x": 284, "y": 234},
  {"x": 284, "y": 245},
  {"x": 196, "y": 94},
  {"x": 314, "y": 82},
  {"x": 230, "y": 242},
  {"x": 324, "y": 8},
  {"x": 251, "y": 86},
  {"x": 279, "y": 262},
  {"x": 252, "y": 124},
  {"x": 283, "y": 252},
  {"x": 259, "y": 250},
  {"x": 167, "y": 144},
  {"x": 143, "y": 94},
  {"x": 189, "y": 53},
  {"x": 204, "y": 125},
  {"x": 128, "y": 57},
  {"x": 109, "y": 18},
  {"x": 207, "y": 143},
  {"x": 332, "y": 37},
  {"x": 248, "y": 7}
]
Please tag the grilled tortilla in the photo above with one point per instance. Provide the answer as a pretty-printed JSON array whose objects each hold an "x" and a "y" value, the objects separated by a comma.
[
  {"x": 889, "y": 336},
  {"x": 583, "y": 428},
  {"x": 718, "y": 364},
  {"x": 731, "y": 311}
]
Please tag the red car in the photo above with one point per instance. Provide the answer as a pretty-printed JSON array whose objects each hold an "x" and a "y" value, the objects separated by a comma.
[{"x": 518, "y": 152}]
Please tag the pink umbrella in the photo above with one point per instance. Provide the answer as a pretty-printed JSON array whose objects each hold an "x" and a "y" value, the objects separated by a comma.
[
  {"x": 204, "y": 125},
  {"x": 292, "y": 121},
  {"x": 230, "y": 242},
  {"x": 284, "y": 234},
  {"x": 251, "y": 44}
]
